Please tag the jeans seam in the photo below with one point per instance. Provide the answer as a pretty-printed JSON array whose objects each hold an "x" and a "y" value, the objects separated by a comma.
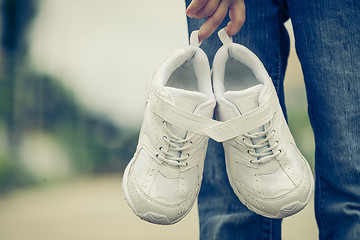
[
  {"x": 278, "y": 72},
  {"x": 267, "y": 228},
  {"x": 324, "y": 194},
  {"x": 278, "y": 67},
  {"x": 322, "y": 199}
]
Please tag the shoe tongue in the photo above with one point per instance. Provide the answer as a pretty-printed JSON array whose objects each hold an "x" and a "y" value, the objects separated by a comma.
[
  {"x": 186, "y": 100},
  {"x": 245, "y": 100}
]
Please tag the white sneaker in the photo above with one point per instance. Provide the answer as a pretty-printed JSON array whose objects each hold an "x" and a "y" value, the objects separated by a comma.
[
  {"x": 162, "y": 180},
  {"x": 265, "y": 168}
]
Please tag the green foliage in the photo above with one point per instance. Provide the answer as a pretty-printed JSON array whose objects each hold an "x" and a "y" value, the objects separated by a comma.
[
  {"x": 6, "y": 100},
  {"x": 31, "y": 102},
  {"x": 12, "y": 175}
]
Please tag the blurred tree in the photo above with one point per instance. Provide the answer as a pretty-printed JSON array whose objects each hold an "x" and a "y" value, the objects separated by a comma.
[
  {"x": 32, "y": 102},
  {"x": 16, "y": 17}
]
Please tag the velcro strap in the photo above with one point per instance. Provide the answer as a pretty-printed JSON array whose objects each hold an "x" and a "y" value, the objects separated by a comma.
[
  {"x": 219, "y": 131},
  {"x": 245, "y": 123},
  {"x": 179, "y": 117}
]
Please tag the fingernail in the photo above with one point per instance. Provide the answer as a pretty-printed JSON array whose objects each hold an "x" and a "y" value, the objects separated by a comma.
[{"x": 189, "y": 14}]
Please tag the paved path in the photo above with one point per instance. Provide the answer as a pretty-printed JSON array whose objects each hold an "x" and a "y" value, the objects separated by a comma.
[{"x": 94, "y": 209}]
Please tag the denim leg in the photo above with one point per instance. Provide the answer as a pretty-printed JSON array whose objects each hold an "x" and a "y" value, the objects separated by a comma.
[
  {"x": 327, "y": 35},
  {"x": 222, "y": 216}
]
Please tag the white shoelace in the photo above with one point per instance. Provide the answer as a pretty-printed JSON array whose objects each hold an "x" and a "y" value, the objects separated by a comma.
[
  {"x": 173, "y": 154},
  {"x": 264, "y": 151}
]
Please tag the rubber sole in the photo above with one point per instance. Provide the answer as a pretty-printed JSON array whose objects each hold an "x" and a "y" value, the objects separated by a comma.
[
  {"x": 148, "y": 216},
  {"x": 286, "y": 211}
]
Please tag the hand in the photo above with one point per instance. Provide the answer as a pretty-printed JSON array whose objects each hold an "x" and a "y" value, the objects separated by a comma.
[{"x": 215, "y": 12}]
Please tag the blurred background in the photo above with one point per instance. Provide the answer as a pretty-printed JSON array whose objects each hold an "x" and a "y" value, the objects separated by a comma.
[{"x": 72, "y": 83}]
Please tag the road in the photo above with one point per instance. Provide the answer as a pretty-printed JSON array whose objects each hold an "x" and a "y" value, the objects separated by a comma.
[{"x": 94, "y": 208}]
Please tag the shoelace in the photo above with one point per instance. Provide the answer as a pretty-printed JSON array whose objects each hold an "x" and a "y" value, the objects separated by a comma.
[
  {"x": 266, "y": 153},
  {"x": 173, "y": 155}
]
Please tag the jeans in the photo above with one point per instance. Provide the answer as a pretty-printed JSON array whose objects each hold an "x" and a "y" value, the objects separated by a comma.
[{"x": 327, "y": 35}]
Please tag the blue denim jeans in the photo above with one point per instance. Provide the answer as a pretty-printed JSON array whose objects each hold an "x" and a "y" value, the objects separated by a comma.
[{"x": 327, "y": 37}]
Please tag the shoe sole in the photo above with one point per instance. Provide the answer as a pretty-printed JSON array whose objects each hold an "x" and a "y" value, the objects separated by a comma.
[
  {"x": 286, "y": 211},
  {"x": 149, "y": 216}
]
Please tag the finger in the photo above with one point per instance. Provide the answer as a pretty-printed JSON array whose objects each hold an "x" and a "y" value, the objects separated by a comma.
[
  {"x": 213, "y": 21},
  {"x": 207, "y": 10},
  {"x": 195, "y": 6},
  {"x": 237, "y": 17}
]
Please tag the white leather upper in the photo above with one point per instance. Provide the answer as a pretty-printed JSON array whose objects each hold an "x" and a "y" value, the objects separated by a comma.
[
  {"x": 267, "y": 181},
  {"x": 266, "y": 170},
  {"x": 163, "y": 179}
]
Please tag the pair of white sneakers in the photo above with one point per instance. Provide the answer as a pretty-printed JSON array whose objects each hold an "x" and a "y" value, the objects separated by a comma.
[{"x": 265, "y": 168}]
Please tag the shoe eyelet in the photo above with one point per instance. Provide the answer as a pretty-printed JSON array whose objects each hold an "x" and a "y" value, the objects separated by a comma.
[
  {"x": 164, "y": 137},
  {"x": 280, "y": 150},
  {"x": 157, "y": 155},
  {"x": 248, "y": 151},
  {"x": 251, "y": 161}
]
